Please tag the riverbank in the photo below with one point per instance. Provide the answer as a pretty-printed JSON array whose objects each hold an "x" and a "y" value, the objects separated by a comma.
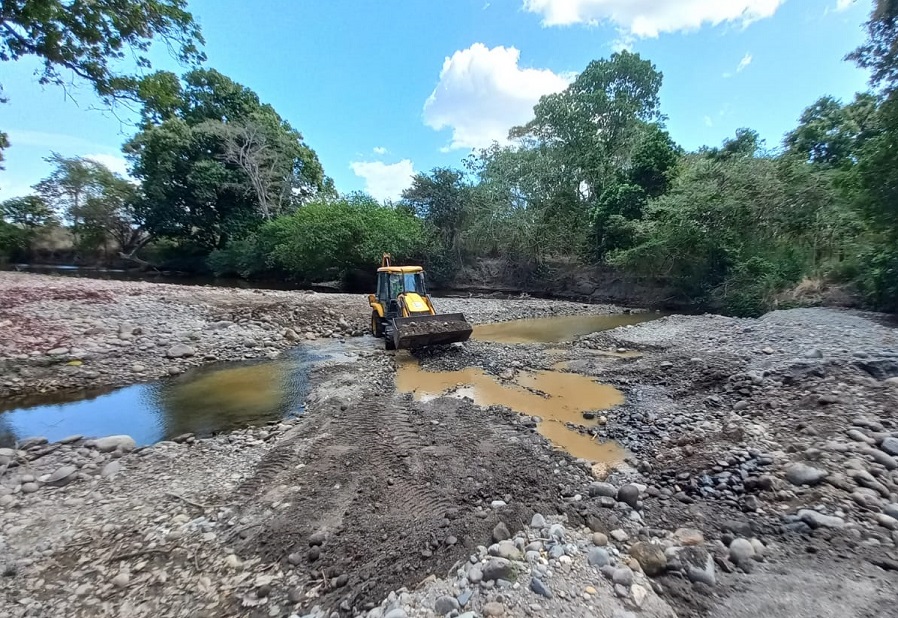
[
  {"x": 761, "y": 479},
  {"x": 63, "y": 333}
]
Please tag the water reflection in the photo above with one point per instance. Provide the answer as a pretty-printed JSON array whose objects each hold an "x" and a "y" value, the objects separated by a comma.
[
  {"x": 555, "y": 329},
  {"x": 204, "y": 401}
]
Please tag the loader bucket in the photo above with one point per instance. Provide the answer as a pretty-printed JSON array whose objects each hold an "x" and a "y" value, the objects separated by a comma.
[{"x": 424, "y": 330}]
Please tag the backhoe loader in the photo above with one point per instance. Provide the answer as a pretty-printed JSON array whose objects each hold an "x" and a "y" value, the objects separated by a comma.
[{"x": 403, "y": 314}]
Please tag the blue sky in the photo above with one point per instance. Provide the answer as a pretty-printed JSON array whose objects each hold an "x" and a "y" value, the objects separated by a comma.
[{"x": 383, "y": 89}]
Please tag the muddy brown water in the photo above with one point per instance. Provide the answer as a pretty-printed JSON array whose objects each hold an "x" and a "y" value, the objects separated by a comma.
[
  {"x": 556, "y": 329},
  {"x": 203, "y": 401},
  {"x": 556, "y": 398}
]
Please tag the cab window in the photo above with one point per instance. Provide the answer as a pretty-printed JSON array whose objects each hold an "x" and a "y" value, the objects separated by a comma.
[{"x": 414, "y": 282}]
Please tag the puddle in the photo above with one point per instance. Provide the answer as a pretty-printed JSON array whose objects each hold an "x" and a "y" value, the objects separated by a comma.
[
  {"x": 555, "y": 329},
  {"x": 555, "y": 397},
  {"x": 202, "y": 401}
]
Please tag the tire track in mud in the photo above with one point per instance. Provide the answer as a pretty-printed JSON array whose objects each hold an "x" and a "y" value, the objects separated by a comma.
[{"x": 401, "y": 490}]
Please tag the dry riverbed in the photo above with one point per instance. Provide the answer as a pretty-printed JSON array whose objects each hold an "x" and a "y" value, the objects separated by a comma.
[{"x": 761, "y": 478}]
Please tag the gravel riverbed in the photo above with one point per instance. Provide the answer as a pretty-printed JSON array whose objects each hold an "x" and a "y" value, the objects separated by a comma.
[{"x": 763, "y": 478}]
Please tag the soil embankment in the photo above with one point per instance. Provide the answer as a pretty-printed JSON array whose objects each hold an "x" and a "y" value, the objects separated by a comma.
[{"x": 761, "y": 479}]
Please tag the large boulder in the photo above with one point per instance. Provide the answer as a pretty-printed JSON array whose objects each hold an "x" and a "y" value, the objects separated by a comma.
[{"x": 112, "y": 443}]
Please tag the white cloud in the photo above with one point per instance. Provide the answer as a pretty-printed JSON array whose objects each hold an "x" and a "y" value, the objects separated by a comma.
[
  {"x": 649, "y": 18},
  {"x": 115, "y": 163},
  {"x": 483, "y": 92},
  {"x": 384, "y": 181},
  {"x": 380, "y": 150},
  {"x": 708, "y": 121},
  {"x": 842, "y": 5},
  {"x": 743, "y": 64}
]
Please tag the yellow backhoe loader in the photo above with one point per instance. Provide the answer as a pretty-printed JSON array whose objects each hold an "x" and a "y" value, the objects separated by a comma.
[{"x": 403, "y": 314}]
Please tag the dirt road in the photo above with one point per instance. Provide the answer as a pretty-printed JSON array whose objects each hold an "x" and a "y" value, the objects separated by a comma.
[{"x": 762, "y": 479}]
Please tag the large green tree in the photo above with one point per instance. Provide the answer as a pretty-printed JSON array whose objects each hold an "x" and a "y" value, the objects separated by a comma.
[{"x": 213, "y": 161}]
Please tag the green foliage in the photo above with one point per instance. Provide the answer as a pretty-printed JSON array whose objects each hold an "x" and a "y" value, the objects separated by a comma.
[
  {"x": 214, "y": 162},
  {"x": 89, "y": 37},
  {"x": 13, "y": 241},
  {"x": 879, "y": 53},
  {"x": 324, "y": 240},
  {"x": 878, "y": 277}
]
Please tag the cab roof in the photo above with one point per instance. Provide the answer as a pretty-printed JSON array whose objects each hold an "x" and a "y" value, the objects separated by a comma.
[{"x": 400, "y": 270}]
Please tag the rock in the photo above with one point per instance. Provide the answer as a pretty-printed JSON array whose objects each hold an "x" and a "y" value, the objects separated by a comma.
[
  {"x": 30, "y": 488},
  {"x": 121, "y": 580},
  {"x": 29, "y": 443},
  {"x": 639, "y": 594},
  {"x": 112, "y": 443},
  {"x": 890, "y": 446},
  {"x": 650, "y": 557},
  {"x": 493, "y": 609},
  {"x": 599, "y": 539},
  {"x": 882, "y": 458},
  {"x": 506, "y": 549},
  {"x": 741, "y": 551},
  {"x": 7, "y": 501},
  {"x": 891, "y": 510},
  {"x": 394, "y": 613},
  {"x": 819, "y": 520},
  {"x": 62, "y": 476},
  {"x": 71, "y": 439},
  {"x": 445, "y": 605},
  {"x": 500, "y": 532},
  {"x": 887, "y": 521},
  {"x": 317, "y": 538},
  {"x": 598, "y": 557},
  {"x": 180, "y": 350},
  {"x": 623, "y": 576},
  {"x": 496, "y": 568},
  {"x": 58, "y": 351},
  {"x": 537, "y": 522},
  {"x": 295, "y": 595},
  {"x": 698, "y": 564},
  {"x": 619, "y": 535},
  {"x": 294, "y": 559},
  {"x": 689, "y": 536},
  {"x": 537, "y": 586},
  {"x": 602, "y": 489},
  {"x": 475, "y": 575},
  {"x": 629, "y": 495},
  {"x": 803, "y": 474},
  {"x": 557, "y": 531},
  {"x": 138, "y": 368}
]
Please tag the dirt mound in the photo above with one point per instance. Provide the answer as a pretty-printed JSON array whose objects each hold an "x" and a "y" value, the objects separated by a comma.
[{"x": 410, "y": 492}]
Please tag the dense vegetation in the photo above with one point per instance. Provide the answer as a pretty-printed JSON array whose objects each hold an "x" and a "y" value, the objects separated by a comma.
[{"x": 593, "y": 180}]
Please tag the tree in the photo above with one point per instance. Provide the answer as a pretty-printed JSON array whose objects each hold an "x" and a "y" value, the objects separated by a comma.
[
  {"x": 29, "y": 214},
  {"x": 88, "y": 37},
  {"x": 594, "y": 122},
  {"x": 214, "y": 162},
  {"x": 879, "y": 53},
  {"x": 832, "y": 134},
  {"x": 440, "y": 199},
  {"x": 71, "y": 182}
]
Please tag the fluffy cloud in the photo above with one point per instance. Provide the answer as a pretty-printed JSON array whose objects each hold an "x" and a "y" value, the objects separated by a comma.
[
  {"x": 380, "y": 150},
  {"x": 842, "y": 5},
  {"x": 483, "y": 92},
  {"x": 743, "y": 64},
  {"x": 649, "y": 18},
  {"x": 384, "y": 181}
]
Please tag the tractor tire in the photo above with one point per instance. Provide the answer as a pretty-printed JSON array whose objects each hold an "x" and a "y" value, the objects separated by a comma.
[
  {"x": 377, "y": 325},
  {"x": 389, "y": 340}
]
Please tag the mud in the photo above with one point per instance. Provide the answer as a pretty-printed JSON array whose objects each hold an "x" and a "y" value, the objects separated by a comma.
[{"x": 557, "y": 329}]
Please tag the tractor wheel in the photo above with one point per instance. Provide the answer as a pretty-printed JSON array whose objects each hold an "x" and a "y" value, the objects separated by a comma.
[
  {"x": 377, "y": 325},
  {"x": 389, "y": 341}
]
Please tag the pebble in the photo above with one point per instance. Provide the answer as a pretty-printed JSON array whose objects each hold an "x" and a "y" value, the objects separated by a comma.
[
  {"x": 741, "y": 551},
  {"x": 112, "y": 443},
  {"x": 396, "y": 613},
  {"x": 62, "y": 476},
  {"x": 557, "y": 531},
  {"x": 500, "y": 532},
  {"x": 623, "y": 576},
  {"x": 538, "y": 522},
  {"x": 537, "y": 586},
  {"x": 475, "y": 575},
  {"x": 598, "y": 557},
  {"x": 803, "y": 474},
  {"x": 890, "y": 446},
  {"x": 111, "y": 469},
  {"x": 891, "y": 510},
  {"x": 887, "y": 521},
  {"x": 629, "y": 495},
  {"x": 445, "y": 605},
  {"x": 493, "y": 609},
  {"x": 689, "y": 536},
  {"x": 602, "y": 489},
  {"x": 619, "y": 535},
  {"x": 121, "y": 580},
  {"x": 30, "y": 488},
  {"x": 819, "y": 520},
  {"x": 650, "y": 557},
  {"x": 599, "y": 539},
  {"x": 180, "y": 350}
]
